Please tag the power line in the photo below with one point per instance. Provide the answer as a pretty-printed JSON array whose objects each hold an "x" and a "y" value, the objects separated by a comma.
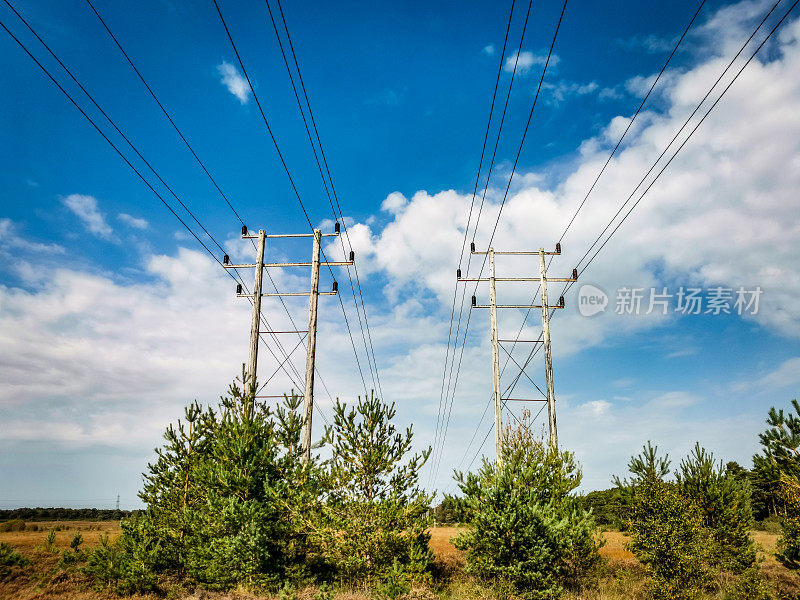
[
  {"x": 675, "y": 137},
  {"x": 607, "y": 162},
  {"x": 466, "y": 228},
  {"x": 480, "y": 209},
  {"x": 340, "y": 217},
  {"x": 119, "y": 152},
  {"x": 700, "y": 122},
  {"x": 502, "y": 204},
  {"x": 288, "y": 174},
  {"x": 203, "y": 167}
]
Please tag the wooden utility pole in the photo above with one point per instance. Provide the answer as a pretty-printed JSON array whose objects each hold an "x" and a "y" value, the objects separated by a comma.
[
  {"x": 548, "y": 360},
  {"x": 255, "y": 323},
  {"x": 308, "y": 398},
  {"x": 498, "y": 419},
  {"x": 549, "y": 397},
  {"x": 314, "y": 294}
]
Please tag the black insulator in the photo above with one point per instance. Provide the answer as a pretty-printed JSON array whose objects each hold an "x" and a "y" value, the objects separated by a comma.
[
  {"x": 575, "y": 273},
  {"x": 238, "y": 288},
  {"x": 226, "y": 259},
  {"x": 474, "y": 301},
  {"x": 561, "y": 301},
  {"x": 352, "y": 255},
  {"x": 336, "y": 227},
  {"x": 458, "y": 273},
  {"x": 335, "y": 287},
  {"x": 558, "y": 248},
  {"x": 244, "y": 229},
  {"x": 472, "y": 246}
]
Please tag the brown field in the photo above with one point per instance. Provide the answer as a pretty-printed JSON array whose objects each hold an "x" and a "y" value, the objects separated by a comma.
[
  {"x": 43, "y": 581},
  {"x": 91, "y": 531}
]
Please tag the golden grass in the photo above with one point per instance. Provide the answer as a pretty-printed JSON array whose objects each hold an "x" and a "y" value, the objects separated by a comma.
[
  {"x": 89, "y": 530},
  {"x": 623, "y": 580}
]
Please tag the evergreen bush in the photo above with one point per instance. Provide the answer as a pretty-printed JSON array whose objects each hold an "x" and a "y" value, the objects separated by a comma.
[{"x": 527, "y": 530}]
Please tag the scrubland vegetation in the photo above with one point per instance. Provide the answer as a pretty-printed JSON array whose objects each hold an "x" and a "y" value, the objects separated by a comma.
[{"x": 233, "y": 511}]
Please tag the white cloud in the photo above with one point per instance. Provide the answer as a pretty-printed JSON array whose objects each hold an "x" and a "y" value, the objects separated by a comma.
[
  {"x": 489, "y": 50},
  {"x": 527, "y": 60},
  {"x": 724, "y": 213},
  {"x": 11, "y": 241},
  {"x": 786, "y": 375},
  {"x": 85, "y": 208},
  {"x": 652, "y": 43},
  {"x": 234, "y": 81},
  {"x": 131, "y": 221},
  {"x": 394, "y": 202},
  {"x": 563, "y": 89}
]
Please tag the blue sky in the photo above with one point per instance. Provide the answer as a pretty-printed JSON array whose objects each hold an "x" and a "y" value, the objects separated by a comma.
[{"x": 113, "y": 319}]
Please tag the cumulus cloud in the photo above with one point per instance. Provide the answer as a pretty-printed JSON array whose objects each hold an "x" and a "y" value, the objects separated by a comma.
[
  {"x": 234, "y": 81},
  {"x": 131, "y": 221},
  {"x": 86, "y": 209}
]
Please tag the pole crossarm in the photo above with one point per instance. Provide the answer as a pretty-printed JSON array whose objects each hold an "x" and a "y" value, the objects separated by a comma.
[
  {"x": 524, "y": 399},
  {"x": 337, "y": 263},
  {"x": 288, "y": 294},
  {"x": 536, "y": 279},
  {"x": 549, "y": 306}
]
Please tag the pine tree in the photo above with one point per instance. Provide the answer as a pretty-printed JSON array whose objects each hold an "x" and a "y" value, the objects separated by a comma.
[
  {"x": 375, "y": 513},
  {"x": 526, "y": 527},
  {"x": 724, "y": 503},
  {"x": 221, "y": 496}
]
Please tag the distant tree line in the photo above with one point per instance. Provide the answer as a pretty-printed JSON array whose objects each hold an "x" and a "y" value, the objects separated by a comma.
[{"x": 64, "y": 514}]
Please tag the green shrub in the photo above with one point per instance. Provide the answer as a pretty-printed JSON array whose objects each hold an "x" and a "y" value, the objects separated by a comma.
[
  {"x": 395, "y": 584},
  {"x": 666, "y": 535},
  {"x": 219, "y": 501},
  {"x": 50, "y": 540},
  {"x": 12, "y": 525},
  {"x": 526, "y": 527},
  {"x": 789, "y": 543},
  {"x": 10, "y": 558},
  {"x": 374, "y": 514},
  {"x": 111, "y": 567},
  {"x": 77, "y": 540},
  {"x": 724, "y": 503}
]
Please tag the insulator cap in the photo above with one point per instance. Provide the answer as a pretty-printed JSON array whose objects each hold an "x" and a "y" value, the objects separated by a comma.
[
  {"x": 244, "y": 229},
  {"x": 558, "y": 247},
  {"x": 472, "y": 246},
  {"x": 561, "y": 301},
  {"x": 352, "y": 255},
  {"x": 238, "y": 288},
  {"x": 226, "y": 259},
  {"x": 574, "y": 273},
  {"x": 458, "y": 273},
  {"x": 336, "y": 227},
  {"x": 474, "y": 301},
  {"x": 335, "y": 287}
]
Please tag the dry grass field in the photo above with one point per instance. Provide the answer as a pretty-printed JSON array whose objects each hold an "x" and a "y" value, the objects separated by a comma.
[{"x": 44, "y": 581}]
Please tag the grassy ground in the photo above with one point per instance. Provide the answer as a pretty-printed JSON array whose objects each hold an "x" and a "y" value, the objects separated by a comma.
[{"x": 623, "y": 577}]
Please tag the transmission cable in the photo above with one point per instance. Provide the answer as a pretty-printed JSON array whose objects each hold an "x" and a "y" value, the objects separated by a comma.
[
  {"x": 502, "y": 204},
  {"x": 289, "y": 175},
  {"x": 210, "y": 177},
  {"x": 466, "y": 228},
  {"x": 339, "y": 217}
]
